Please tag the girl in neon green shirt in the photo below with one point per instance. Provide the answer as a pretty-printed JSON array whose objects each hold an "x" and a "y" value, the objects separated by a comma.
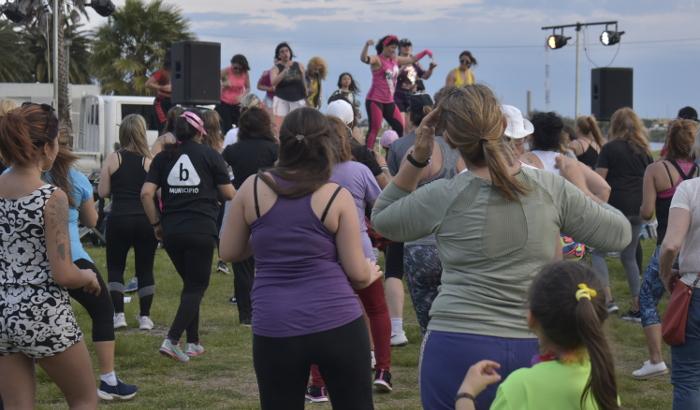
[{"x": 576, "y": 369}]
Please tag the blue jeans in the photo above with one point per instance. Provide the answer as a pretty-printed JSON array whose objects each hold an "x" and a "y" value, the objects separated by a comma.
[
  {"x": 685, "y": 368},
  {"x": 651, "y": 291},
  {"x": 446, "y": 357}
]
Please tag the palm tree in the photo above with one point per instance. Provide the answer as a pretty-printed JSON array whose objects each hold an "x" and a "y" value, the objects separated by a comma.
[
  {"x": 40, "y": 44},
  {"x": 15, "y": 58},
  {"x": 133, "y": 44}
]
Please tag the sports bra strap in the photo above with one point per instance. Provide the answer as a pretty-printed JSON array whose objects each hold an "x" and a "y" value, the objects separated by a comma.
[
  {"x": 691, "y": 171},
  {"x": 255, "y": 196},
  {"x": 668, "y": 172},
  {"x": 330, "y": 202}
]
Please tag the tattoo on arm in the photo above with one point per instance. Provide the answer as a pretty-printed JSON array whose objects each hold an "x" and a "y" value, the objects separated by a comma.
[{"x": 58, "y": 223}]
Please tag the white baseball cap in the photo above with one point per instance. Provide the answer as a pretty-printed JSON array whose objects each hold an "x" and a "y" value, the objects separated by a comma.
[
  {"x": 341, "y": 109},
  {"x": 518, "y": 126}
]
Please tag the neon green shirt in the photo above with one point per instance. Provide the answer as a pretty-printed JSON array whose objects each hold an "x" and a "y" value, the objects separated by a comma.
[{"x": 546, "y": 385}]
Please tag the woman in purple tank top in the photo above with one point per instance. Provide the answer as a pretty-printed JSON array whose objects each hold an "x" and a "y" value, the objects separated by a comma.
[
  {"x": 380, "y": 97},
  {"x": 305, "y": 235}
]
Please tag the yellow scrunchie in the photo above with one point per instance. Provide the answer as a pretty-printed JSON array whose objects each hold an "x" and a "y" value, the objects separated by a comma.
[{"x": 585, "y": 292}]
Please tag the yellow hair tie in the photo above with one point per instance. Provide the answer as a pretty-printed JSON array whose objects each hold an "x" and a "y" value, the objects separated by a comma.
[{"x": 585, "y": 292}]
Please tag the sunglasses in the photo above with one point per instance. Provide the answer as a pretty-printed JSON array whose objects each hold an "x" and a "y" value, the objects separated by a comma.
[{"x": 51, "y": 126}]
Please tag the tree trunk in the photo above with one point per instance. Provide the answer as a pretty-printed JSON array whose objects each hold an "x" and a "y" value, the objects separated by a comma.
[{"x": 64, "y": 100}]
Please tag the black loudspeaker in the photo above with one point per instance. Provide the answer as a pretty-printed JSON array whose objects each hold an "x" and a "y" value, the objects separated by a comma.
[
  {"x": 195, "y": 72},
  {"x": 611, "y": 89}
]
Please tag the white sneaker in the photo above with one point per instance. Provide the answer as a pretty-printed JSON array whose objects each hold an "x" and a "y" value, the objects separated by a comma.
[
  {"x": 145, "y": 323},
  {"x": 119, "y": 320},
  {"x": 649, "y": 370},
  {"x": 399, "y": 339},
  {"x": 194, "y": 350}
]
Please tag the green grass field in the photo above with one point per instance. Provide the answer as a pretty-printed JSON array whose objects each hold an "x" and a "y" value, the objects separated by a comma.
[{"x": 224, "y": 377}]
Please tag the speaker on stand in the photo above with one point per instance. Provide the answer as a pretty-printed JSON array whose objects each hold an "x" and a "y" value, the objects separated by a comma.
[
  {"x": 195, "y": 73},
  {"x": 611, "y": 89}
]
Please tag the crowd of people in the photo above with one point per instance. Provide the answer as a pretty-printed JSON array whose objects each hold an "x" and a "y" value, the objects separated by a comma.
[{"x": 485, "y": 212}]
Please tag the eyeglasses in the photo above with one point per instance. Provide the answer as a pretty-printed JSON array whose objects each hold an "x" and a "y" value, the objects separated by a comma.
[
  {"x": 51, "y": 126},
  {"x": 465, "y": 61}
]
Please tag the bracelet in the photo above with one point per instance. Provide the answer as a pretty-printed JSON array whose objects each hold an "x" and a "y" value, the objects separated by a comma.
[
  {"x": 464, "y": 395},
  {"x": 415, "y": 162},
  {"x": 155, "y": 224}
]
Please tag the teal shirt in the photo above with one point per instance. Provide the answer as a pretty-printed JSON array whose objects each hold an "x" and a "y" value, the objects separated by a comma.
[{"x": 492, "y": 248}]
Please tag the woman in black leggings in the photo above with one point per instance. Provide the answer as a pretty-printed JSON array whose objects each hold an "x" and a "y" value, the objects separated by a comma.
[
  {"x": 192, "y": 178},
  {"x": 99, "y": 307},
  {"x": 122, "y": 176}
]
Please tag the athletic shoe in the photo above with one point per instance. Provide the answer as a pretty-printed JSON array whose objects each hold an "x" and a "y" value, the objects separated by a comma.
[
  {"x": 649, "y": 370},
  {"x": 194, "y": 350},
  {"x": 145, "y": 323},
  {"x": 119, "y": 320},
  {"x": 121, "y": 391},
  {"x": 632, "y": 316},
  {"x": 233, "y": 300},
  {"x": 316, "y": 394},
  {"x": 173, "y": 351},
  {"x": 223, "y": 268},
  {"x": 132, "y": 286},
  {"x": 246, "y": 322},
  {"x": 612, "y": 307},
  {"x": 399, "y": 339},
  {"x": 382, "y": 381}
]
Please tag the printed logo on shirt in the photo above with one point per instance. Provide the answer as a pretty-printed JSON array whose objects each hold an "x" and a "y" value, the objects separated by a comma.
[{"x": 183, "y": 177}]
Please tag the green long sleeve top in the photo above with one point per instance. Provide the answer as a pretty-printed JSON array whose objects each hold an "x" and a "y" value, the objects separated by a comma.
[{"x": 492, "y": 248}]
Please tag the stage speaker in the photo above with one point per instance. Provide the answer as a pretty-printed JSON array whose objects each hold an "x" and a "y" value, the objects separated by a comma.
[
  {"x": 195, "y": 72},
  {"x": 611, "y": 89}
]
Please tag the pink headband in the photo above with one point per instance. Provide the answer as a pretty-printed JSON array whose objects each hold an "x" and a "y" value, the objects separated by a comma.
[
  {"x": 389, "y": 39},
  {"x": 194, "y": 120}
]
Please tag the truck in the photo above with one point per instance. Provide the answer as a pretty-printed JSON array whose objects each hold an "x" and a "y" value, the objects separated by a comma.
[{"x": 98, "y": 131}]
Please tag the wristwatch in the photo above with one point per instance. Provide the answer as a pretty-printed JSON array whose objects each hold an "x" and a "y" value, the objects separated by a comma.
[{"x": 416, "y": 163}]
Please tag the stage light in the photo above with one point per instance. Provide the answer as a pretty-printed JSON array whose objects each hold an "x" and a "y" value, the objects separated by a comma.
[
  {"x": 104, "y": 8},
  {"x": 14, "y": 12},
  {"x": 555, "y": 41},
  {"x": 610, "y": 37}
]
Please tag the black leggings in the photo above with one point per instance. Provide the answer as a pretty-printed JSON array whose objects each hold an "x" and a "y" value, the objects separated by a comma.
[
  {"x": 393, "y": 263},
  {"x": 342, "y": 354},
  {"x": 98, "y": 307},
  {"x": 192, "y": 256},
  {"x": 123, "y": 233},
  {"x": 229, "y": 115},
  {"x": 375, "y": 112},
  {"x": 243, "y": 273}
]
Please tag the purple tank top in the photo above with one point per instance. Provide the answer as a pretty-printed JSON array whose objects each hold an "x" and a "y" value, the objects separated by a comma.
[
  {"x": 300, "y": 287},
  {"x": 384, "y": 81}
]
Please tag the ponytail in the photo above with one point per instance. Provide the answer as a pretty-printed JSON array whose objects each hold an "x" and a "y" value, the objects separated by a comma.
[
  {"x": 22, "y": 133},
  {"x": 601, "y": 383},
  {"x": 595, "y": 130},
  {"x": 60, "y": 170},
  {"x": 497, "y": 164}
]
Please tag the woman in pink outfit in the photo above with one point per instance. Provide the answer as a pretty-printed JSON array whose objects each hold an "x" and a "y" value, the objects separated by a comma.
[{"x": 235, "y": 83}]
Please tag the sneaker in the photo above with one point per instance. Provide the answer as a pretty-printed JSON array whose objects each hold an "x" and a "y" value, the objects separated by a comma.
[
  {"x": 612, "y": 307},
  {"x": 119, "y": 320},
  {"x": 173, "y": 351},
  {"x": 145, "y": 323},
  {"x": 132, "y": 286},
  {"x": 316, "y": 394},
  {"x": 649, "y": 370},
  {"x": 399, "y": 339},
  {"x": 233, "y": 300},
  {"x": 121, "y": 391},
  {"x": 632, "y": 316},
  {"x": 194, "y": 350},
  {"x": 382, "y": 381},
  {"x": 246, "y": 322},
  {"x": 223, "y": 268}
]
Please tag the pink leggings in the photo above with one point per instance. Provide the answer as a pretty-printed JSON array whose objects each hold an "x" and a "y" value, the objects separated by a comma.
[
  {"x": 375, "y": 112},
  {"x": 373, "y": 300}
]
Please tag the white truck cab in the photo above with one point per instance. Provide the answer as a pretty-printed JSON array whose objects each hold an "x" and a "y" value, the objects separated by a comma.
[{"x": 98, "y": 131}]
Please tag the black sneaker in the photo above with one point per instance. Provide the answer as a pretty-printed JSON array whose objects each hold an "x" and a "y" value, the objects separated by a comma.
[
  {"x": 382, "y": 381},
  {"x": 632, "y": 316},
  {"x": 316, "y": 394},
  {"x": 222, "y": 267},
  {"x": 612, "y": 307},
  {"x": 121, "y": 391}
]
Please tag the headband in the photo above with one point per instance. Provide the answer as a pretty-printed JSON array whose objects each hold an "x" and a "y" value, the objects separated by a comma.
[
  {"x": 390, "y": 38},
  {"x": 585, "y": 292},
  {"x": 194, "y": 120}
]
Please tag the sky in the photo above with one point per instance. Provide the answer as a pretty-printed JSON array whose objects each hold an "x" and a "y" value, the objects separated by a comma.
[{"x": 661, "y": 42}]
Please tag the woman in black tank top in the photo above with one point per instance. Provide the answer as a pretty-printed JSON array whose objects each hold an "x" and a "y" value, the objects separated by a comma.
[
  {"x": 588, "y": 142},
  {"x": 122, "y": 177}
]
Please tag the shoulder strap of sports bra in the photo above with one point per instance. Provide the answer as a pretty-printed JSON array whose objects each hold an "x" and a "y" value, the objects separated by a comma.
[
  {"x": 690, "y": 174},
  {"x": 668, "y": 172},
  {"x": 330, "y": 202},
  {"x": 255, "y": 196}
]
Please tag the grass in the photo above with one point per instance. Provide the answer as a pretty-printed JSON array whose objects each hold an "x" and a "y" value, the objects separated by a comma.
[{"x": 224, "y": 376}]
